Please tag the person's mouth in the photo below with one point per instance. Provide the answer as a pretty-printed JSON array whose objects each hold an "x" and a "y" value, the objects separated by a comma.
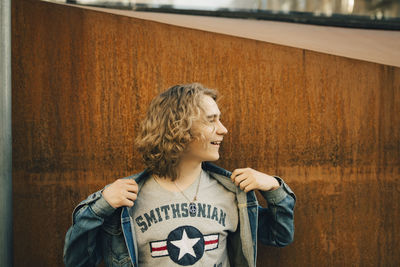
[{"x": 216, "y": 143}]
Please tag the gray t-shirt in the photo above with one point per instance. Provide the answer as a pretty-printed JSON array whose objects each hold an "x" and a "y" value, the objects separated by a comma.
[{"x": 169, "y": 234}]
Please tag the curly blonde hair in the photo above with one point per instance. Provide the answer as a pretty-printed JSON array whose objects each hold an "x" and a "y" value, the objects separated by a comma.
[{"x": 166, "y": 130}]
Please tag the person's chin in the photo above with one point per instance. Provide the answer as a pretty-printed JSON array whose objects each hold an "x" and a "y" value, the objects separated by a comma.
[{"x": 214, "y": 157}]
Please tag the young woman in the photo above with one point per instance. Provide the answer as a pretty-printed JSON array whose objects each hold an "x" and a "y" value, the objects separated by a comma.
[{"x": 181, "y": 210}]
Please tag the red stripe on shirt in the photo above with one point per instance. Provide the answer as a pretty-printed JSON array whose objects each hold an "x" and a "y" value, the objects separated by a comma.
[
  {"x": 159, "y": 249},
  {"x": 211, "y": 242}
]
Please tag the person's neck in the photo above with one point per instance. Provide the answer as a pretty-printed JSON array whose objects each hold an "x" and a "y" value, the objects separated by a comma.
[{"x": 188, "y": 172}]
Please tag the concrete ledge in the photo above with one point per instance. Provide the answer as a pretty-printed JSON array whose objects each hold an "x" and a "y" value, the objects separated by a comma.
[{"x": 378, "y": 46}]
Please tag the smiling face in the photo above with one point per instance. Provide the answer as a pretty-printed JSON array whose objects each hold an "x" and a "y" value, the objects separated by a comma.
[{"x": 210, "y": 134}]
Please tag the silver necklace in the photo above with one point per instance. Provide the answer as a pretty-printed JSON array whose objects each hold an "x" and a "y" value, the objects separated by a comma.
[{"x": 192, "y": 205}]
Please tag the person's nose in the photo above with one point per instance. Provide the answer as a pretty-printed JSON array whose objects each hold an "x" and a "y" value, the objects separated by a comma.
[{"x": 221, "y": 129}]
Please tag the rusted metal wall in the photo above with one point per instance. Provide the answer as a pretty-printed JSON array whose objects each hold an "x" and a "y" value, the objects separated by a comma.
[{"x": 329, "y": 125}]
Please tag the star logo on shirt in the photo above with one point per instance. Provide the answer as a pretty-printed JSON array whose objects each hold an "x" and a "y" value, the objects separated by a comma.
[{"x": 184, "y": 245}]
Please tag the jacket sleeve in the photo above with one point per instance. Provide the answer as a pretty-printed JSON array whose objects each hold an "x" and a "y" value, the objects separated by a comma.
[
  {"x": 276, "y": 222},
  {"x": 82, "y": 246}
]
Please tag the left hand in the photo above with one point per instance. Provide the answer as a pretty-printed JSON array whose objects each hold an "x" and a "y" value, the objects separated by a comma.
[{"x": 249, "y": 179}]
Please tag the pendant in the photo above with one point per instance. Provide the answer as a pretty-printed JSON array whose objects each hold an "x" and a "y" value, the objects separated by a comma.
[{"x": 192, "y": 208}]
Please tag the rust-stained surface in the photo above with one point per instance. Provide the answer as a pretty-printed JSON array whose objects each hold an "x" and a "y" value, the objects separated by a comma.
[{"x": 330, "y": 126}]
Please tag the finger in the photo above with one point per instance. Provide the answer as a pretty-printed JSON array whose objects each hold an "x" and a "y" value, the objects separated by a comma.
[
  {"x": 249, "y": 187},
  {"x": 129, "y": 181},
  {"x": 132, "y": 188},
  {"x": 131, "y": 196},
  {"x": 244, "y": 184},
  {"x": 237, "y": 172},
  {"x": 239, "y": 179},
  {"x": 128, "y": 203}
]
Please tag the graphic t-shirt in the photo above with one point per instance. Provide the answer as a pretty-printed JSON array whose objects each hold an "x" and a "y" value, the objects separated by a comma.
[{"x": 171, "y": 233}]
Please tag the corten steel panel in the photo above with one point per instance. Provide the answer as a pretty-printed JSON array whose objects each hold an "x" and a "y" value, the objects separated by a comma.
[{"x": 328, "y": 125}]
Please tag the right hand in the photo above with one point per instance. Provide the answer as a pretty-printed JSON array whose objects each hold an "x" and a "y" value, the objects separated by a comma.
[{"x": 123, "y": 192}]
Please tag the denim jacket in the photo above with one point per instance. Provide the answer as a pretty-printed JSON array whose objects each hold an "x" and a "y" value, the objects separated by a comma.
[{"x": 99, "y": 231}]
